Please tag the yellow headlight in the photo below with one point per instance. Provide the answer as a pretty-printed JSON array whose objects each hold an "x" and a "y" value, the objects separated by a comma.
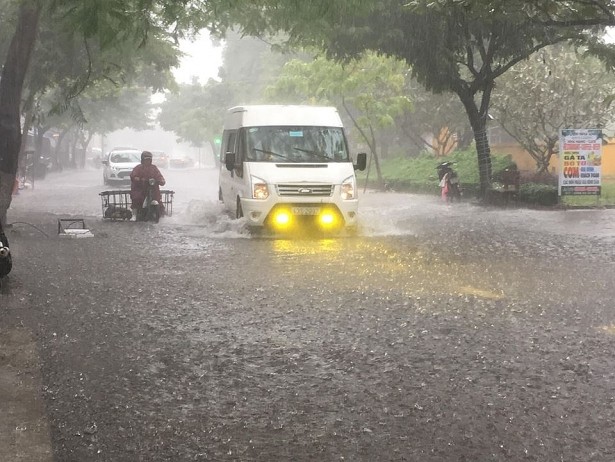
[
  {"x": 327, "y": 219},
  {"x": 281, "y": 218}
]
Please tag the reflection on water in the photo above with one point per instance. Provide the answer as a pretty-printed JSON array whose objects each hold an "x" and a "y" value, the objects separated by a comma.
[
  {"x": 394, "y": 265},
  {"x": 307, "y": 247}
]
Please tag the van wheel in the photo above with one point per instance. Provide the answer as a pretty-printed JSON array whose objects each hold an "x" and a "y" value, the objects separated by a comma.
[{"x": 239, "y": 213}]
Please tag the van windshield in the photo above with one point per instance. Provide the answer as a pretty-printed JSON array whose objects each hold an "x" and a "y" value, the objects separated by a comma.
[{"x": 295, "y": 144}]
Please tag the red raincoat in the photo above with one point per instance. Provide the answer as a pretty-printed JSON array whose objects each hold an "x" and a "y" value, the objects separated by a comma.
[{"x": 139, "y": 178}]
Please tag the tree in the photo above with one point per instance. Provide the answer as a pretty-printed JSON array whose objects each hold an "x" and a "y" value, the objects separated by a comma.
[
  {"x": 458, "y": 49},
  {"x": 11, "y": 85},
  {"x": 251, "y": 64},
  {"x": 104, "y": 107},
  {"x": 195, "y": 113},
  {"x": 370, "y": 89},
  {"x": 586, "y": 13},
  {"x": 552, "y": 90},
  {"x": 104, "y": 23},
  {"x": 437, "y": 122},
  {"x": 65, "y": 77},
  {"x": 458, "y": 46}
]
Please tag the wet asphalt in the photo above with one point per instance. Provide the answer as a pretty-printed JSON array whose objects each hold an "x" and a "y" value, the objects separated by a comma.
[{"x": 440, "y": 332}]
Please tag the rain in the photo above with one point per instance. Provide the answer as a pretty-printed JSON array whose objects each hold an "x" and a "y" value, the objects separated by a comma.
[{"x": 471, "y": 328}]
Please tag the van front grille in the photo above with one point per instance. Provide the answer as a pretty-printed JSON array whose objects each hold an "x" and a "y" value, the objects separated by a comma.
[{"x": 322, "y": 190}]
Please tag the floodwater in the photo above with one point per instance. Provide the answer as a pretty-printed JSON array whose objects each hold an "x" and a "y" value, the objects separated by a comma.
[
  {"x": 75, "y": 193},
  {"x": 443, "y": 332}
]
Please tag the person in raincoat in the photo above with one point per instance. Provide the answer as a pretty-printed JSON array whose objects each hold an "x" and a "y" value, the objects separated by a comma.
[
  {"x": 449, "y": 182},
  {"x": 139, "y": 178},
  {"x": 444, "y": 185}
]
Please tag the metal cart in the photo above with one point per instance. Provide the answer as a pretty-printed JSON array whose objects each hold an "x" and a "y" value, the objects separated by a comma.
[{"x": 116, "y": 204}]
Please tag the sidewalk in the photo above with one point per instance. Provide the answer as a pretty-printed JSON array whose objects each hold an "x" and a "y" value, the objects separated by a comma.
[{"x": 24, "y": 430}]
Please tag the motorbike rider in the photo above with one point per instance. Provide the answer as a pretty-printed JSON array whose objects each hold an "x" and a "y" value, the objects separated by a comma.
[
  {"x": 139, "y": 178},
  {"x": 449, "y": 182}
]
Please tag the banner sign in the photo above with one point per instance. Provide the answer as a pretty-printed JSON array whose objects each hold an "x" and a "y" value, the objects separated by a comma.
[{"x": 580, "y": 162}]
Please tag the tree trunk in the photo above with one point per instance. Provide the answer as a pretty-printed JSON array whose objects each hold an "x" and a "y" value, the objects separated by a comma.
[
  {"x": 376, "y": 159},
  {"x": 11, "y": 87},
  {"x": 465, "y": 138},
  {"x": 23, "y": 157},
  {"x": 61, "y": 155},
  {"x": 86, "y": 143},
  {"x": 371, "y": 142},
  {"x": 484, "y": 158},
  {"x": 478, "y": 121}
]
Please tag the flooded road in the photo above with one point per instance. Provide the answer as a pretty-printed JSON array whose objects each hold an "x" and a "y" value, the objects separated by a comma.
[
  {"x": 75, "y": 193},
  {"x": 440, "y": 332}
]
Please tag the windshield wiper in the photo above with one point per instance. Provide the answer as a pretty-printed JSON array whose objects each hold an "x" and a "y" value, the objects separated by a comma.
[
  {"x": 314, "y": 153},
  {"x": 273, "y": 154}
]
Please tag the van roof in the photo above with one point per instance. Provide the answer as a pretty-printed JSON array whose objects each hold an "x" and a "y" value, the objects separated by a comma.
[{"x": 282, "y": 115}]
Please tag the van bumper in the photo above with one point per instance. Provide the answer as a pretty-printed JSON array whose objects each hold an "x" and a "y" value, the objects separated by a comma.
[{"x": 303, "y": 212}]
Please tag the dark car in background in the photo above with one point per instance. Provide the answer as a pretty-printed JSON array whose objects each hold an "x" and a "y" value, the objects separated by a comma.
[
  {"x": 160, "y": 159},
  {"x": 181, "y": 162}
]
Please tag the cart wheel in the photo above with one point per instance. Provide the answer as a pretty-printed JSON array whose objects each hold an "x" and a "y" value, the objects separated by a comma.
[{"x": 153, "y": 214}]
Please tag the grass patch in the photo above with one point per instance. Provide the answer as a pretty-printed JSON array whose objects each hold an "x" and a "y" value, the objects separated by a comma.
[
  {"x": 418, "y": 175},
  {"x": 607, "y": 197}
]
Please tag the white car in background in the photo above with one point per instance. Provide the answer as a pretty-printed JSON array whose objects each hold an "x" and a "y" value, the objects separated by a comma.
[{"x": 118, "y": 165}]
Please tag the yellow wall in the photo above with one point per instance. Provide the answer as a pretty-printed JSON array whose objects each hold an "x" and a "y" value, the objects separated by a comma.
[
  {"x": 525, "y": 162},
  {"x": 608, "y": 160}
]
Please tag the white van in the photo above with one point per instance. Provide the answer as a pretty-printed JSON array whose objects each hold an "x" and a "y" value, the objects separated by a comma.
[{"x": 288, "y": 168}]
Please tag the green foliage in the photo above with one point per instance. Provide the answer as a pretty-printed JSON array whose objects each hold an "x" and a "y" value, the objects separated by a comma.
[
  {"x": 554, "y": 89},
  {"x": 196, "y": 112},
  {"x": 545, "y": 12},
  {"x": 419, "y": 174},
  {"x": 249, "y": 66},
  {"x": 371, "y": 84},
  {"x": 458, "y": 46},
  {"x": 434, "y": 120},
  {"x": 606, "y": 198},
  {"x": 538, "y": 194},
  {"x": 107, "y": 108},
  {"x": 8, "y": 13},
  {"x": 369, "y": 89}
]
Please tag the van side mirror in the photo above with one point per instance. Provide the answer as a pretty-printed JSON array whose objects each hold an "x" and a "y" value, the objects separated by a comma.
[
  {"x": 361, "y": 161},
  {"x": 229, "y": 161},
  {"x": 104, "y": 162}
]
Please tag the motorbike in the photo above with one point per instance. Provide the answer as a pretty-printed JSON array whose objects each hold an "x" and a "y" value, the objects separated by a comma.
[
  {"x": 150, "y": 210},
  {"x": 6, "y": 260},
  {"x": 449, "y": 182}
]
